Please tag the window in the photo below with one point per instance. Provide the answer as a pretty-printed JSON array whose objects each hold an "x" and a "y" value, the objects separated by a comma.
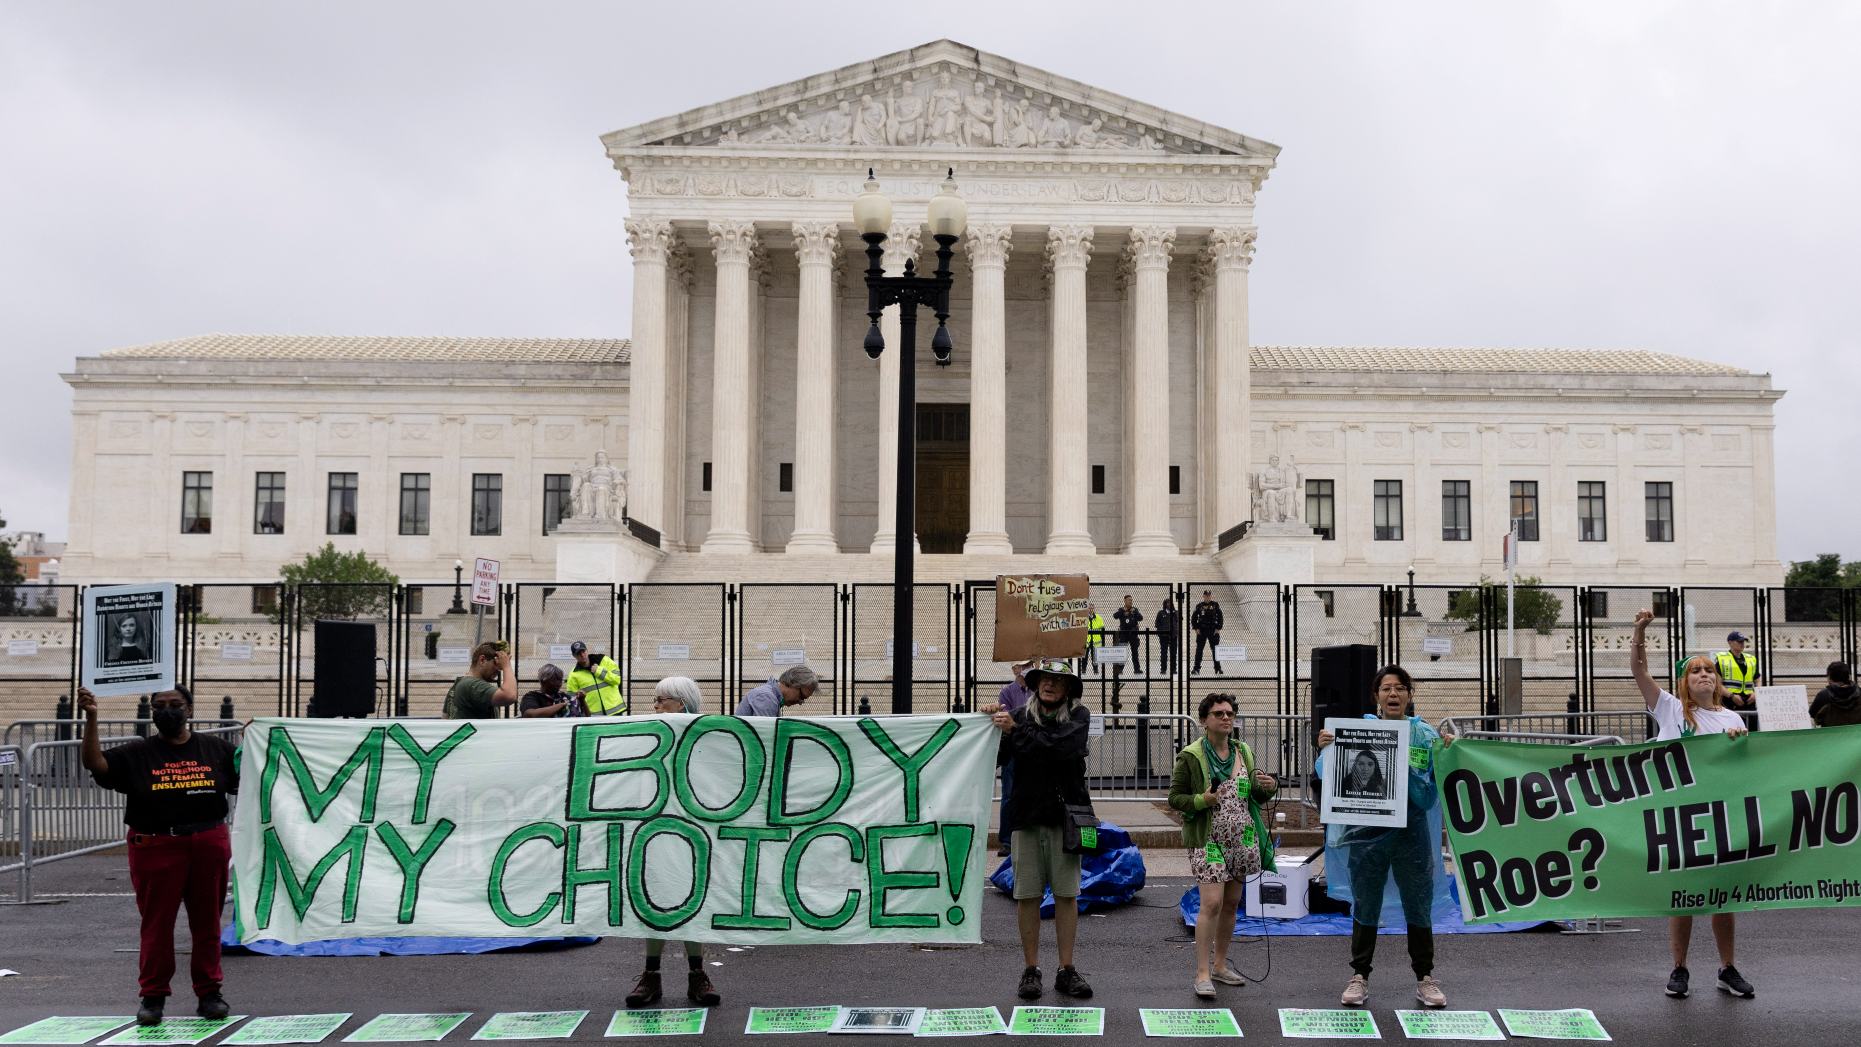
[
  {"x": 1098, "y": 479},
  {"x": 264, "y": 599},
  {"x": 1663, "y": 603},
  {"x": 268, "y": 504},
  {"x": 196, "y": 503},
  {"x": 704, "y": 481},
  {"x": 1660, "y": 511},
  {"x": 1328, "y": 597},
  {"x": 416, "y": 600},
  {"x": 1388, "y": 510},
  {"x": 342, "y": 503},
  {"x": 785, "y": 478},
  {"x": 487, "y": 503},
  {"x": 1457, "y": 510},
  {"x": 1592, "y": 512},
  {"x": 1596, "y": 602},
  {"x": 1321, "y": 507},
  {"x": 1525, "y": 508},
  {"x": 416, "y": 503},
  {"x": 556, "y": 503}
]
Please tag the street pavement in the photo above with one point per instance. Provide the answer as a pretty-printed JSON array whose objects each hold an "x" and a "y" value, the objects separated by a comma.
[{"x": 78, "y": 957}]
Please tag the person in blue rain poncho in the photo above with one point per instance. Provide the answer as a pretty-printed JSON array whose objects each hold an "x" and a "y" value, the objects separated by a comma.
[{"x": 1364, "y": 862}]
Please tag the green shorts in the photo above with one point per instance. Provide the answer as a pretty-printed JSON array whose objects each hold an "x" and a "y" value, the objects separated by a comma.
[{"x": 1041, "y": 862}]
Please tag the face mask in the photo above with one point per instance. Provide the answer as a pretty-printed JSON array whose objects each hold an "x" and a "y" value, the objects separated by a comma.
[{"x": 169, "y": 721}]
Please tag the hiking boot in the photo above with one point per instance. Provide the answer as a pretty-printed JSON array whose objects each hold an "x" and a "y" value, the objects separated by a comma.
[
  {"x": 1068, "y": 983},
  {"x": 213, "y": 1006},
  {"x": 150, "y": 1013},
  {"x": 1205, "y": 988},
  {"x": 1677, "y": 983},
  {"x": 700, "y": 990},
  {"x": 645, "y": 991},
  {"x": 1356, "y": 991},
  {"x": 1428, "y": 992},
  {"x": 1733, "y": 982},
  {"x": 1227, "y": 975},
  {"x": 1030, "y": 984}
]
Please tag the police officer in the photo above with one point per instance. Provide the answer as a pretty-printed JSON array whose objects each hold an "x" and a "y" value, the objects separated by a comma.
[
  {"x": 597, "y": 679},
  {"x": 1207, "y": 621},
  {"x": 1740, "y": 673}
]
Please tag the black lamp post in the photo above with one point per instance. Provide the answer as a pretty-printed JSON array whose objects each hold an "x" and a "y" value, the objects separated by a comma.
[
  {"x": 1412, "y": 611},
  {"x": 872, "y": 215},
  {"x": 458, "y": 581}
]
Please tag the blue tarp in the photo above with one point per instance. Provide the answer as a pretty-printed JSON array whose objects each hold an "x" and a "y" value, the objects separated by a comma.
[
  {"x": 1446, "y": 910},
  {"x": 1107, "y": 879},
  {"x": 229, "y": 940}
]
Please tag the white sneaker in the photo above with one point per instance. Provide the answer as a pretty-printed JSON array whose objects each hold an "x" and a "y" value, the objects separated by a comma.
[{"x": 1356, "y": 992}]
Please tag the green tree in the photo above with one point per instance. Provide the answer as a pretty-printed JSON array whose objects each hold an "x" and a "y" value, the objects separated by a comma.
[
  {"x": 11, "y": 574},
  {"x": 1810, "y": 586},
  {"x": 1539, "y": 608},
  {"x": 331, "y": 584}
]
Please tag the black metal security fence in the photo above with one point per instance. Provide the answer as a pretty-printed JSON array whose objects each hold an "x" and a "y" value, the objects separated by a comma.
[{"x": 255, "y": 648}]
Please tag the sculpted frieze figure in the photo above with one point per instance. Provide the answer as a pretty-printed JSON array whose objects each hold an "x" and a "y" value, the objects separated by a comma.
[
  {"x": 981, "y": 115},
  {"x": 946, "y": 114}
]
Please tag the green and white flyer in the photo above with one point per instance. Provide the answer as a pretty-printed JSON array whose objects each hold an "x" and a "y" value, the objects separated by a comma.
[
  {"x": 963, "y": 1021},
  {"x": 791, "y": 1019},
  {"x": 407, "y": 1028},
  {"x": 175, "y": 1030},
  {"x": 672, "y": 1021},
  {"x": 1057, "y": 1021},
  {"x": 1198, "y": 1022},
  {"x": 1449, "y": 1025},
  {"x": 531, "y": 1025},
  {"x": 288, "y": 1028},
  {"x": 1307, "y": 1024},
  {"x": 65, "y": 1030},
  {"x": 1574, "y": 1023}
]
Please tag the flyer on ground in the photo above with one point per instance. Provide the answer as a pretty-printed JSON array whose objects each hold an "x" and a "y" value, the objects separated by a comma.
[
  {"x": 175, "y": 1030},
  {"x": 129, "y": 640},
  {"x": 82, "y": 1029},
  {"x": 1195, "y": 1022},
  {"x": 1575, "y": 1023},
  {"x": 1057, "y": 1021},
  {"x": 530, "y": 1025},
  {"x": 791, "y": 1019},
  {"x": 672, "y": 1021},
  {"x": 883, "y": 1021},
  {"x": 288, "y": 1028},
  {"x": 1366, "y": 773},
  {"x": 1449, "y": 1025},
  {"x": 1336, "y": 1024},
  {"x": 963, "y": 1021},
  {"x": 407, "y": 1028}
]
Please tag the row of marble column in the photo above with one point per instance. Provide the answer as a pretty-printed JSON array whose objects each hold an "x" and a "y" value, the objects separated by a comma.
[{"x": 1223, "y": 378}]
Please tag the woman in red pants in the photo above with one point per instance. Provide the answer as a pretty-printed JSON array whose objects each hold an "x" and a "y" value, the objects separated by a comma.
[{"x": 177, "y": 784}]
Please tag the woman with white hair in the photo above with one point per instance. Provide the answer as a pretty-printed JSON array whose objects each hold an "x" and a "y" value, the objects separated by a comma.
[{"x": 672, "y": 696}]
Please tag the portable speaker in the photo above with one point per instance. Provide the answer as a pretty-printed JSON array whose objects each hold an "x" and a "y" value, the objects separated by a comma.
[
  {"x": 344, "y": 680},
  {"x": 1341, "y": 683}
]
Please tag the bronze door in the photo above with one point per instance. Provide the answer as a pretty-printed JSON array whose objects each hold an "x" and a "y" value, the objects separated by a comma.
[{"x": 943, "y": 477}]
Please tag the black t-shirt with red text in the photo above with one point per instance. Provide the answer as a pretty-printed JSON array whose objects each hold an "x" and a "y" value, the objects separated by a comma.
[{"x": 172, "y": 785}]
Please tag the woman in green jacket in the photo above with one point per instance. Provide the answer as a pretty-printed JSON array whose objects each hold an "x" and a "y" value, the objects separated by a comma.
[{"x": 1219, "y": 792}]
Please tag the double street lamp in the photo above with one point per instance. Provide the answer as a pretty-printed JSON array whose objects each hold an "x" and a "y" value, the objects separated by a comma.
[{"x": 872, "y": 216}]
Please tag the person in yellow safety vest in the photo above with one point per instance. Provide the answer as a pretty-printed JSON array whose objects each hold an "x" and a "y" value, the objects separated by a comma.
[
  {"x": 1740, "y": 673},
  {"x": 598, "y": 680},
  {"x": 1095, "y": 636}
]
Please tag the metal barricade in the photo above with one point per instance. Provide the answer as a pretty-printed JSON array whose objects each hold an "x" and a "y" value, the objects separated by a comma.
[
  {"x": 1132, "y": 754},
  {"x": 1621, "y": 724},
  {"x": 10, "y": 858},
  {"x": 27, "y": 733}
]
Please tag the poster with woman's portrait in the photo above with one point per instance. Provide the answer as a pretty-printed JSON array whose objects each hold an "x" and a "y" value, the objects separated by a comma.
[
  {"x": 129, "y": 639},
  {"x": 1366, "y": 779}
]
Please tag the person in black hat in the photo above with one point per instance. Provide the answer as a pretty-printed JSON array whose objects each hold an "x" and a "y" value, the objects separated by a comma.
[{"x": 1046, "y": 740}]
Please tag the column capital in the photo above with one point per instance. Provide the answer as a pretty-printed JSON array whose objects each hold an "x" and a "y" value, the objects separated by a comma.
[
  {"x": 817, "y": 243},
  {"x": 988, "y": 245},
  {"x": 1149, "y": 246},
  {"x": 733, "y": 241},
  {"x": 1231, "y": 248},
  {"x": 902, "y": 243},
  {"x": 649, "y": 239},
  {"x": 1069, "y": 246}
]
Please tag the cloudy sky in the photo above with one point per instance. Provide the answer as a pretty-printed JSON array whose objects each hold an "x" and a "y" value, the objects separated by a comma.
[{"x": 1662, "y": 175}]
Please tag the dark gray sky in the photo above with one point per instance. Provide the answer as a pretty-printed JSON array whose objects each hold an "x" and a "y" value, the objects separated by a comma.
[{"x": 1678, "y": 176}]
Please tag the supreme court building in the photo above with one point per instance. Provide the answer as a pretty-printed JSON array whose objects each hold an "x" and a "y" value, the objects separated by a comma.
[{"x": 1104, "y": 404}]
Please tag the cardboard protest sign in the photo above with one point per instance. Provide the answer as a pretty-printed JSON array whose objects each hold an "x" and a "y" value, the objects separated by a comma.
[
  {"x": 825, "y": 830},
  {"x": 129, "y": 642},
  {"x": 1698, "y": 825},
  {"x": 1784, "y": 708},
  {"x": 1041, "y": 616},
  {"x": 1366, "y": 773}
]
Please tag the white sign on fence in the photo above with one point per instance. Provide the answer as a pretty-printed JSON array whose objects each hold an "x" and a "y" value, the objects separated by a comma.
[
  {"x": 1784, "y": 708},
  {"x": 22, "y": 648},
  {"x": 916, "y": 649},
  {"x": 455, "y": 655},
  {"x": 235, "y": 652},
  {"x": 1109, "y": 655},
  {"x": 788, "y": 656},
  {"x": 1230, "y": 652},
  {"x": 560, "y": 650},
  {"x": 675, "y": 652},
  {"x": 1437, "y": 645},
  {"x": 485, "y": 582}
]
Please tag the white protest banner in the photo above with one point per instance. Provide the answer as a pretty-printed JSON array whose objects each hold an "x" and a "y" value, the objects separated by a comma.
[
  {"x": 825, "y": 830},
  {"x": 1784, "y": 708},
  {"x": 130, "y": 644},
  {"x": 1366, "y": 776}
]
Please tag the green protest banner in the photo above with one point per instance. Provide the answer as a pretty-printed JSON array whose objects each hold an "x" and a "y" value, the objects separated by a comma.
[
  {"x": 790, "y": 1019},
  {"x": 288, "y": 1028},
  {"x": 1573, "y": 1024},
  {"x": 1057, "y": 1021},
  {"x": 1704, "y": 824},
  {"x": 530, "y": 1025},
  {"x": 1213, "y": 1021},
  {"x": 407, "y": 1028},
  {"x": 675, "y": 1021},
  {"x": 798, "y": 830},
  {"x": 174, "y": 1030},
  {"x": 1303, "y": 1024},
  {"x": 1449, "y": 1025},
  {"x": 65, "y": 1030},
  {"x": 963, "y": 1021}
]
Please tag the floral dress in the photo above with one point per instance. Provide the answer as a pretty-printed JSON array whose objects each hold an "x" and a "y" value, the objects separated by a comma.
[{"x": 1234, "y": 843}]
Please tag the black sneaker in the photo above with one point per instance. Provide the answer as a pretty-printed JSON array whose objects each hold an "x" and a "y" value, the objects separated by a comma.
[
  {"x": 150, "y": 1013},
  {"x": 1030, "y": 984},
  {"x": 213, "y": 1006},
  {"x": 1677, "y": 983},
  {"x": 1733, "y": 982},
  {"x": 1068, "y": 983}
]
